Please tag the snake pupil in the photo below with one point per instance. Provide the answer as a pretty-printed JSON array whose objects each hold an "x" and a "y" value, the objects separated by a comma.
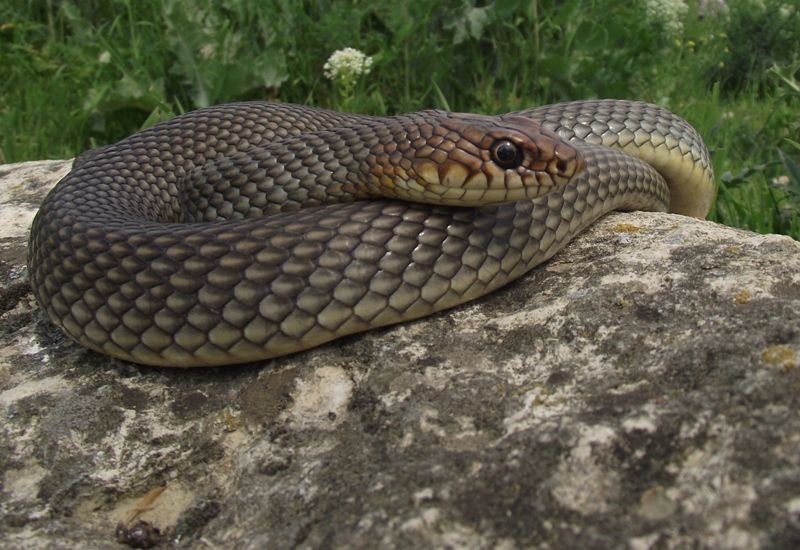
[{"x": 506, "y": 154}]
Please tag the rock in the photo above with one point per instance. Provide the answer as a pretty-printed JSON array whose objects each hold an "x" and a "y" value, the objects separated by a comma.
[{"x": 639, "y": 391}]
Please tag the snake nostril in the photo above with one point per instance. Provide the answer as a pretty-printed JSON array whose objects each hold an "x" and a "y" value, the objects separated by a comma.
[{"x": 561, "y": 166}]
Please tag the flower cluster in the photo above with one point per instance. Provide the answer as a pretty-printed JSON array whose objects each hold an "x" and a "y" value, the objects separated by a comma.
[
  {"x": 667, "y": 13},
  {"x": 786, "y": 11},
  {"x": 347, "y": 65}
]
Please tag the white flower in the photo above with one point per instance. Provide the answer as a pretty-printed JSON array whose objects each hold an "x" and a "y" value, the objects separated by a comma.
[
  {"x": 781, "y": 180},
  {"x": 105, "y": 57},
  {"x": 347, "y": 65},
  {"x": 667, "y": 13},
  {"x": 207, "y": 51}
]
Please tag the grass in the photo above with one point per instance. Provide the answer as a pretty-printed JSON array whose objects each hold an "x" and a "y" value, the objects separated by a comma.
[{"x": 81, "y": 73}]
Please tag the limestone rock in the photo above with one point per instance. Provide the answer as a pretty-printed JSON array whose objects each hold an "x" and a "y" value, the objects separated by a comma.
[{"x": 639, "y": 391}]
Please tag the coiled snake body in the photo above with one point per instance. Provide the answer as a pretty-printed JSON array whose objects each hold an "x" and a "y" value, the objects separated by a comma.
[{"x": 123, "y": 258}]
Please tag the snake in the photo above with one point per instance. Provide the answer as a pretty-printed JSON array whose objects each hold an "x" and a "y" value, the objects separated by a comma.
[{"x": 248, "y": 231}]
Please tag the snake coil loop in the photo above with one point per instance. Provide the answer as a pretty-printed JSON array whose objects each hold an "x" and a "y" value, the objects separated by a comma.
[{"x": 231, "y": 234}]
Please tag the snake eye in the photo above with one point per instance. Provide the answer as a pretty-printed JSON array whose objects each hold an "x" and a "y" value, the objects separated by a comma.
[{"x": 506, "y": 155}]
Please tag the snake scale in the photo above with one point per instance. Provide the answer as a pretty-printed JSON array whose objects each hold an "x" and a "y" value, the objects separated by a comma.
[{"x": 248, "y": 231}]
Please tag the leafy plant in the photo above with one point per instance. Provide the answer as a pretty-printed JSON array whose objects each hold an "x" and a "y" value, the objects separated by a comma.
[
  {"x": 762, "y": 34},
  {"x": 76, "y": 74}
]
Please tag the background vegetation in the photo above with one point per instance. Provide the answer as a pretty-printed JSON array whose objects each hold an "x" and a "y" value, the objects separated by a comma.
[{"x": 75, "y": 74}]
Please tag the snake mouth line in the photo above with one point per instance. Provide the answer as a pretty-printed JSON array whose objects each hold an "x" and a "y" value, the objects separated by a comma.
[{"x": 210, "y": 239}]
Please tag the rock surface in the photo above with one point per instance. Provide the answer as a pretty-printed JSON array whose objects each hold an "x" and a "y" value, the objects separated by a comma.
[{"x": 639, "y": 391}]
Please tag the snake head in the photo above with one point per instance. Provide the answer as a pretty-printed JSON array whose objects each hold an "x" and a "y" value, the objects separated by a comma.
[{"x": 471, "y": 160}]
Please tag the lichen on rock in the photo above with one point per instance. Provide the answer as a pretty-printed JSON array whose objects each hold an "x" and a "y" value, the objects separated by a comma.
[{"x": 638, "y": 391}]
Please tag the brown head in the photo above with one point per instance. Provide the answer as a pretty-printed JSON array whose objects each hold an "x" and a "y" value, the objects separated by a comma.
[{"x": 470, "y": 160}]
